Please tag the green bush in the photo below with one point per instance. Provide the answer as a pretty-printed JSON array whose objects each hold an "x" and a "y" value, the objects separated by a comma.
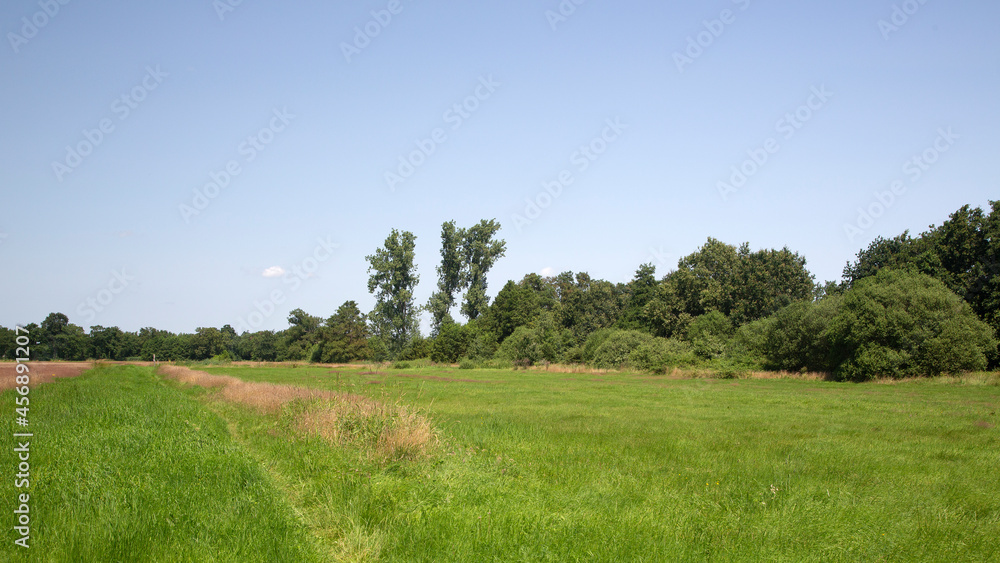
[
  {"x": 903, "y": 324},
  {"x": 749, "y": 343},
  {"x": 615, "y": 350},
  {"x": 541, "y": 341},
  {"x": 660, "y": 354},
  {"x": 521, "y": 347},
  {"x": 419, "y": 347},
  {"x": 482, "y": 343},
  {"x": 710, "y": 334},
  {"x": 593, "y": 342},
  {"x": 223, "y": 358},
  {"x": 797, "y": 336},
  {"x": 451, "y": 343}
]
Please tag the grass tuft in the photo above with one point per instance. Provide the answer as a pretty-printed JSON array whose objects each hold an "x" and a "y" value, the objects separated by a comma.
[{"x": 389, "y": 432}]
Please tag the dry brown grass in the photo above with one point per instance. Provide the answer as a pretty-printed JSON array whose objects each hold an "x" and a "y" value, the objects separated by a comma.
[
  {"x": 388, "y": 432},
  {"x": 807, "y": 376},
  {"x": 41, "y": 372}
]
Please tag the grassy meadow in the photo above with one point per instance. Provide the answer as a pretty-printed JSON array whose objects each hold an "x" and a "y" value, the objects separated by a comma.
[{"x": 520, "y": 466}]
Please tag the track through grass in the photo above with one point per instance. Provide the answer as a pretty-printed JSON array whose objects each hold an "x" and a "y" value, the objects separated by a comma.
[
  {"x": 565, "y": 467},
  {"x": 128, "y": 468},
  {"x": 529, "y": 466}
]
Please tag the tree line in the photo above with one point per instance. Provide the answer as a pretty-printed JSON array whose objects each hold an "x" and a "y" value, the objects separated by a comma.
[{"x": 905, "y": 306}]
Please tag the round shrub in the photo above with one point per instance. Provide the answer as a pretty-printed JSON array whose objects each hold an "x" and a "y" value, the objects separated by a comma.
[
  {"x": 660, "y": 354},
  {"x": 904, "y": 324},
  {"x": 521, "y": 347},
  {"x": 710, "y": 334},
  {"x": 797, "y": 337},
  {"x": 450, "y": 344},
  {"x": 614, "y": 352}
]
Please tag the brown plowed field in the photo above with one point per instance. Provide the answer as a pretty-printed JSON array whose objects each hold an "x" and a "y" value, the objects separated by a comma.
[{"x": 41, "y": 372}]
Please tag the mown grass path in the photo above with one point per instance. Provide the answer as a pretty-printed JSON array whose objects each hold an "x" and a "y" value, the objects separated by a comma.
[{"x": 125, "y": 467}]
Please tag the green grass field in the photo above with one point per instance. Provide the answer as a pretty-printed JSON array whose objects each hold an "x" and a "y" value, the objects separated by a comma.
[{"x": 528, "y": 466}]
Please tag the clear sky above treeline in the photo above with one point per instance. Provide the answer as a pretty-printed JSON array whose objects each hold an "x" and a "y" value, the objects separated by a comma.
[{"x": 185, "y": 164}]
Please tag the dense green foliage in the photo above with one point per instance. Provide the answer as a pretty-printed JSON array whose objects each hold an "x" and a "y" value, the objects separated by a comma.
[
  {"x": 724, "y": 307},
  {"x": 467, "y": 255},
  {"x": 393, "y": 277},
  {"x": 899, "y": 324},
  {"x": 345, "y": 336},
  {"x": 963, "y": 253}
]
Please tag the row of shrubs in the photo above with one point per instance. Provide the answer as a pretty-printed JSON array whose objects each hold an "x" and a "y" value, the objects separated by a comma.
[{"x": 896, "y": 324}]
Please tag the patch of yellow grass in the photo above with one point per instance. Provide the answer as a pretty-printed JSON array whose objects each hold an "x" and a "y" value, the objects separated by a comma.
[{"x": 390, "y": 432}]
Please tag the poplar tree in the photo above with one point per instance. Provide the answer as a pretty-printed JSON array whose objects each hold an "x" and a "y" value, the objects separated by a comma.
[{"x": 392, "y": 279}]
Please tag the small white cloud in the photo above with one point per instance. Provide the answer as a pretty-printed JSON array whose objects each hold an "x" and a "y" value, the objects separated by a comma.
[
  {"x": 274, "y": 272},
  {"x": 547, "y": 272}
]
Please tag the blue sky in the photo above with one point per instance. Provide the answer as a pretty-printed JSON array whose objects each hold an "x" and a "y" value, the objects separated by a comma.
[{"x": 822, "y": 107}]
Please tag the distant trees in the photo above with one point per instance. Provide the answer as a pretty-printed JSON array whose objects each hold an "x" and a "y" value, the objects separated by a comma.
[
  {"x": 516, "y": 305},
  {"x": 108, "y": 343},
  {"x": 740, "y": 284},
  {"x": 345, "y": 336},
  {"x": 7, "y": 343},
  {"x": 638, "y": 294},
  {"x": 392, "y": 280},
  {"x": 906, "y": 306},
  {"x": 57, "y": 339},
  {"x": 481, "y": 252}
]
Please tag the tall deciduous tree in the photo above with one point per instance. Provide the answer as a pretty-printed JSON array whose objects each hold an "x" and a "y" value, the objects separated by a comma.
[
  {"x": 481, "y": 252},
  {"x": 467, "y": 255},
  {"x": 450, "y": 278},
  {"x": 392, "y": 279}
]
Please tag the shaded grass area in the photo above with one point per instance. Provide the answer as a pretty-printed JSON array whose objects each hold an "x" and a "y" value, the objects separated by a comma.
[
  {"x": 128, "y": 468},
  {"x": 560, "y": 467}
]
